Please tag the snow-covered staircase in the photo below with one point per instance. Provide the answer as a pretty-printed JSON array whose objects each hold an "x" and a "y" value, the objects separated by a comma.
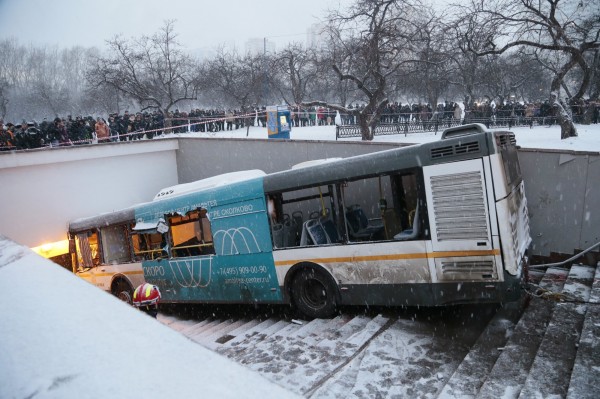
[
  {"x": 586, "y": 371},
  {"x": 547, "y": 355},
  {"x": 542, "y": 348}
]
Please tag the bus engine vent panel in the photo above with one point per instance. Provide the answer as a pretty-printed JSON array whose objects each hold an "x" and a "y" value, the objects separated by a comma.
[{"x": 459, "y": 206}]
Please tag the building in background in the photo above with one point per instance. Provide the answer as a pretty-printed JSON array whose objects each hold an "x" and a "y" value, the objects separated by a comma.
[
  {"x": 316, "y": 36},
  {"x": 260, "y": 45}
]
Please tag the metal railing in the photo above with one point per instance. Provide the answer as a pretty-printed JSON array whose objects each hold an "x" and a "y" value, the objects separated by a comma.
[{"x": 438, "y": 125}]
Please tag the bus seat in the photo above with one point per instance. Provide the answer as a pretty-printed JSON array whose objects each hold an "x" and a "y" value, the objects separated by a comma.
[
  {"x": 359, "y": 226},
  {"x": 413, "y": 232},
  {"x": 317, "y": 232},
  {"x": 305, "y": 237},
  {"x": 331, "y": 231},
  {"x": 391, "y": 222},
  {"x": 277, "y": 232},
  {"x": 289, "y": 233}
]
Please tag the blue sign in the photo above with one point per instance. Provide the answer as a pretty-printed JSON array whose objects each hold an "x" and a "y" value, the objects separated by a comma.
[{"x": 279, "y": 122}]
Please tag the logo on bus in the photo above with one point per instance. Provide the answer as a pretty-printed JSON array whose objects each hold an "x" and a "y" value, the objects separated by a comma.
[
  {"x": 154, "y": 271},
  {"x": 192, "y": 273},
  {"x": 237, "y": 241}
]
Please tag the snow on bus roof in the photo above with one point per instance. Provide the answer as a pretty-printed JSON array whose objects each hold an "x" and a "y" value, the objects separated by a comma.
[
  {"x": 315, "y": 162},
  {"x": 210, "y": 182}
]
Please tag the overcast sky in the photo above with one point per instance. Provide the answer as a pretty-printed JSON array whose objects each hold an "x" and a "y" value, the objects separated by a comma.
[{"x": 199, "y": 23}]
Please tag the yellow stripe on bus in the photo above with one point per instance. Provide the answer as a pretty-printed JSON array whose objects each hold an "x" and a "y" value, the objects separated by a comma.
[
  {"x": 374, "y": 258},
  {"x": 109, "y": 274}
]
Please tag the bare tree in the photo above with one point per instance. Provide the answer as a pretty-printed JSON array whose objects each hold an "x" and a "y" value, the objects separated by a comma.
[
  {"x": 296, "y": 69},
  {"x": 469, "y": 71},
  {"x": 374, "y": 37},
  {"x": 3, "y": 97},
  {"x": 41, "y": 81},
  {"x": 154, "y": 71},
  {"x": 433, "y": 68},
  {"x": 566, "y": 27},
  {"x": 239, "y": 80},
  {"x": 328, "y": 86}
]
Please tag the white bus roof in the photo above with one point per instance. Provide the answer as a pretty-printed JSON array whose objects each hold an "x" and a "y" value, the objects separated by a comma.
[
  {"x": 315, "y": 162},
  {"x": 210, "y": 182}
]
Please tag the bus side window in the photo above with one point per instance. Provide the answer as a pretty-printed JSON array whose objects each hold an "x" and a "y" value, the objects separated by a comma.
[
  {"x": 115, "y": 245},
  {"x": 191, "y": 234},
  {"x": 408, "y": 208},
  {"x": 148, "y": 246}
]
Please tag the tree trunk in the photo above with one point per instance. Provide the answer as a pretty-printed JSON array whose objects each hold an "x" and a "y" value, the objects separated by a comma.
[
  {"x": 567, "y": 127},
  {"x": 365, "y": 127}
]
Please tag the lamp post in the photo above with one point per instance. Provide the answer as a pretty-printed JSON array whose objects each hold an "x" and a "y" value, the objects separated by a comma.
[{"x": 265, "y": 72}]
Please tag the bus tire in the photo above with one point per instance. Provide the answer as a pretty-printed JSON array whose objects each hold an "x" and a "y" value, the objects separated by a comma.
[
  {"x": 123, "y": 291},
  {"x": 313, "y": 293}
]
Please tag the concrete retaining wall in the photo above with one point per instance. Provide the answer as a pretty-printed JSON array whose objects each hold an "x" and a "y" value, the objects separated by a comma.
[
  {"x": 563, "y": 196},
  {"x": 42, "y": 190}
]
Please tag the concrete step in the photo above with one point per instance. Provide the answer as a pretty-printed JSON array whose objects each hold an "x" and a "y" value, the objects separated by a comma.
[
  {"x": 289, "y": 331},
  {"x": 216, "y": 329},
  {"x": 312, "y": 364},
  {"x": 167, "y": 319},
  {"x": 550, "y": 372},
  {"x": 280, "y": 354},
  {"x": 510, "y": 370},
  {"x": 238, "y": 344},
  {"x": 180, "y": 324},
  {"x": 201, "y": 326},
  {"x": 251, "y": 347},
  {"x": 586, "y": 371},
  {"x": 348, "y": 329},
  {"x": 332, "y": 330},
  {"x": 222, "y": 336},
  {"x": 311, "y": 329},
  {"x": 191, "y": 327},
  {"x": 411, "y": 358},
  {"x": 474, "y": 368}
]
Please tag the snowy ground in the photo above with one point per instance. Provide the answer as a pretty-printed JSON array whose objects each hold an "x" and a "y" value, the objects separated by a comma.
[
  {"x": 60, "y": 337},
  {"x": 538, "y": 137}
]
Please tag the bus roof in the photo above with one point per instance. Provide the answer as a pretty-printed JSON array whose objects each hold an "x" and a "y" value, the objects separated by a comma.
[
  {"x": 210, "y": 182},
  {"x": 472, "y": 145},
  {"x": 102, "y": 220}
]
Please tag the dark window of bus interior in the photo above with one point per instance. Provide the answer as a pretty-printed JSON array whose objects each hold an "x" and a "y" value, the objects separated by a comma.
[
  {"x": 288, "y": 211},
  {"x": 115, "y": 244},
  {"x": 148, "y": 245},
  {"x": 191, "y": 234},
  {"x": 389, "y": 201},
  {"x": 407, "y": 191}
]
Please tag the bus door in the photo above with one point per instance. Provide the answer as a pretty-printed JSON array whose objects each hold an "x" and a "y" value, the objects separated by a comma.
[{"x": 461, "y": 238}]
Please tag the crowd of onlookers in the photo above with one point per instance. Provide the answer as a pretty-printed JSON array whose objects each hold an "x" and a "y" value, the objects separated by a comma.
[
  {"x": 146, "y": 125},
  {"x": 79, "y": 130}
]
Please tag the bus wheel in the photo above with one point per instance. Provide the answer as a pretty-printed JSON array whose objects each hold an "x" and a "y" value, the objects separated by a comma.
[
  {"x": 313, "y": 294},
  {"x": 124, "y": 292}
]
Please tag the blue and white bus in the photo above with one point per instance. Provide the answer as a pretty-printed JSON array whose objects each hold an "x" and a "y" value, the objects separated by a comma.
[{"x": 431, "y": 224}]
